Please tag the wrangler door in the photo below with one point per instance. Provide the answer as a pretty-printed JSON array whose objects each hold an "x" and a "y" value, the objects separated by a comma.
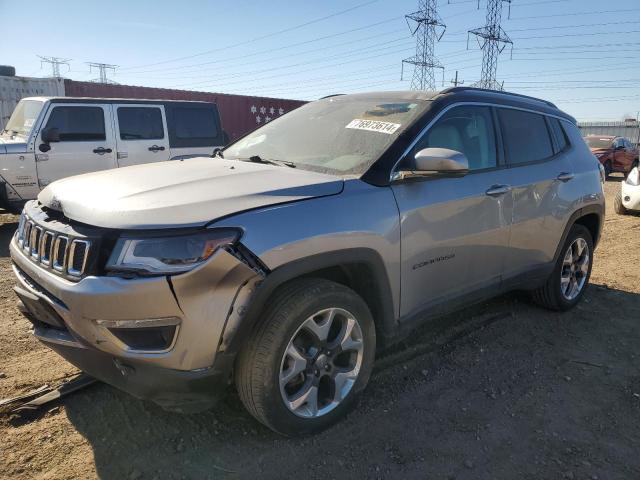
[
  {"x": 86, "y": 142},
  {"x": 141, "y": 134}
]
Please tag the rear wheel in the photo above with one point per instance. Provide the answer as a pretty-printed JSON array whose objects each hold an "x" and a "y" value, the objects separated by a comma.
[
  {"x": 568, "y": 281},
  {"x": 617, "y": 204},
  {"x": 308, "y": 359}
]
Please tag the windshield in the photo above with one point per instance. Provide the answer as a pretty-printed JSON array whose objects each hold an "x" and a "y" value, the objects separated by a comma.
[
  {"x": 595, "y": 142},
  {"x": 23, "y": 118},
  {"x": 340, "y": 135}
]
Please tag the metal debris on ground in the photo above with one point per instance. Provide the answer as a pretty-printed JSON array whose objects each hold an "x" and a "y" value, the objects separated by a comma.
[{"x": 45, "y": 394}]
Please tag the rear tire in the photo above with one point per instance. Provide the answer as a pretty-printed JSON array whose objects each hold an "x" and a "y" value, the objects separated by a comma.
[
  {"x": 281, "y": 364},
  {"x": 618, "y": 206},
  {"x": 557, "y": 293}
]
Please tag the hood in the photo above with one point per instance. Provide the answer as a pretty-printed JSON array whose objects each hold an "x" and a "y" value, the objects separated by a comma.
[{"x": 181, "y": 193}]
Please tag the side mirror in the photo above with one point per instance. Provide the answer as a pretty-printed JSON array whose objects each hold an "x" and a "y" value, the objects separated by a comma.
[
  {"x": 437, "y": 162},
  {"x": 50, "y": 135}
]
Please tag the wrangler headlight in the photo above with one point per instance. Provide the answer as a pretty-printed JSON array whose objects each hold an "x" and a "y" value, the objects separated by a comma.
[{"x": 163, "y": 255}]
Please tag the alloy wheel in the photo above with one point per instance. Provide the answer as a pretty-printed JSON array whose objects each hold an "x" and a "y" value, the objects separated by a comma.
[
  {"x": 321, "y": 363},
  {"x": 575, "y": 269}
]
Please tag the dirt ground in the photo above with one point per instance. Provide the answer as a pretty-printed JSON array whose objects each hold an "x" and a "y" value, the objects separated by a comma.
[{"x": 501, "y": 390}]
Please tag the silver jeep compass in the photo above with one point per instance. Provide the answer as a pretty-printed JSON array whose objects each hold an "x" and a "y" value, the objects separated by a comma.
[{"x": 284, "y": 263}]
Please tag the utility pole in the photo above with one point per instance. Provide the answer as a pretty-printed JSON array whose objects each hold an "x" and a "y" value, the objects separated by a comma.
[
  {"x": 457, "y": 82},
  {"x": 492, "y": 40},
  {"x": 55, "y": 63},
  {"x": 426, "y": 25},
  {"x": 102, "y": 70}
]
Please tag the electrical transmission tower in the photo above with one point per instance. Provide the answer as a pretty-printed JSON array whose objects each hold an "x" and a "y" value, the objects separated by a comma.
[
  {"x": 102, "y": 70},
  {"x": 426, "y": 25},
  {"x": 55, "y": 63},
  {"x": 492, "y": 40}
]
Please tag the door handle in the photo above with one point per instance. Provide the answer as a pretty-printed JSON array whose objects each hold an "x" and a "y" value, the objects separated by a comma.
[
  {"x": 102, "y": 150},
  {"x": 565, "y": 176},
  {"x": 497, "y": 190},
  {"x": 156, "y": 148}
]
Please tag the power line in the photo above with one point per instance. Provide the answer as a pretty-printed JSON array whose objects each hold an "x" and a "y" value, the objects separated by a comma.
[
  {"x": 256, "y": 39},
  {"x": 55, "y": 63},
  {"x": 271, "y": 50},
  {"x": 574, "y": 14},
  {"x": 428, "y": 30},
  {"x": 185, "y": 74},
  {"x": 251, "y": 74},
  {"x": 635, "y": 22},
  {"x": 576, "y": 35},
  {"x": 555, "y": 27},
  {"x": 584, "y": 45}
]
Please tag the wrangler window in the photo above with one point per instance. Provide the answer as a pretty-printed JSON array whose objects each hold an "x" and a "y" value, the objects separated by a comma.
[
  {"x": 195, "y": 123},
  {"x": 78, "y": 124},
  {"x": 140, "y": 123}
]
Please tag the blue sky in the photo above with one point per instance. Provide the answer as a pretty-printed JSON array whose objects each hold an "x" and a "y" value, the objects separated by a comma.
[{"x": 581, "y": 54}]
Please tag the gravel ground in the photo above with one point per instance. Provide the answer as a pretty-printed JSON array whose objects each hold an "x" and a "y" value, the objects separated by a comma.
[{"x": 500, "y": 390}]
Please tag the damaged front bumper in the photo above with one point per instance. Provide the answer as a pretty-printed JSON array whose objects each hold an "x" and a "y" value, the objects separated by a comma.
[{"x": 84, "y": 321}]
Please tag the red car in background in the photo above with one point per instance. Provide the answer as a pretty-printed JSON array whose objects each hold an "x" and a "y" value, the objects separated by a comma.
[{"x": 616, "y": 154}]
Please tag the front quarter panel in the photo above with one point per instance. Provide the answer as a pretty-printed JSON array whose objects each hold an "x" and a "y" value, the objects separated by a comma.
[{"x": 362, "y": 216}]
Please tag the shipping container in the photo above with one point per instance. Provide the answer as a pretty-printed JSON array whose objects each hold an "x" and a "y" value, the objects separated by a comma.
[
  {"x": 12, "y": 89},
  {"x": 240, "y": 114}
]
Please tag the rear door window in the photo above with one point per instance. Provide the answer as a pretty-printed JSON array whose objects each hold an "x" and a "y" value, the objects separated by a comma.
[
  {"x": 195, "y": 123},
  {"x": 526, "y": 136},
  {"x": 559, "y": 134},
  {"x": 140, "y": 123},
  {"x": 78, "y": 124}
]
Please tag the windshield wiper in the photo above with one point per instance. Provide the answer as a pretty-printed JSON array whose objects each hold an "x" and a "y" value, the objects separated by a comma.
[{"x": 269, "y": 161}]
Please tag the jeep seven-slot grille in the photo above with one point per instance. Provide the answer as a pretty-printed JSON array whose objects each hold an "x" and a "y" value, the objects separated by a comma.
[{"x": 53, "y": 250}]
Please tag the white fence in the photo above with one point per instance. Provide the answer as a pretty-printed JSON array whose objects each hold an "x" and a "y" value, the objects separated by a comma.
[{"x": 628, "y": 129}]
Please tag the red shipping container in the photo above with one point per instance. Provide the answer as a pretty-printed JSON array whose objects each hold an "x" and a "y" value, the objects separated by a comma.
[{"x": 240, "y": 114}]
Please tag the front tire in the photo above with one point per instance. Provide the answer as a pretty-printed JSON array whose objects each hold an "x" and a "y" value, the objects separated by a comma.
[
  {"x": 566, "y": 285},
  {"x": 608, "y": 169},
  {"x": 618, "y": 206},
  {"x": 308, "y": 359}
]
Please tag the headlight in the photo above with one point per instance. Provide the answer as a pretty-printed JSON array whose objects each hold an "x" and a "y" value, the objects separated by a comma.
[
  {"x": 164, "y": 255},
  {"x": 633, "y": 178}
]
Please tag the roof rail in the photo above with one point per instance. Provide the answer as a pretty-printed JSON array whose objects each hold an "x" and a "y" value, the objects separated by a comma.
[
  {"x": 333, "y": 95},
  {"x": 500, "y": 92}
]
